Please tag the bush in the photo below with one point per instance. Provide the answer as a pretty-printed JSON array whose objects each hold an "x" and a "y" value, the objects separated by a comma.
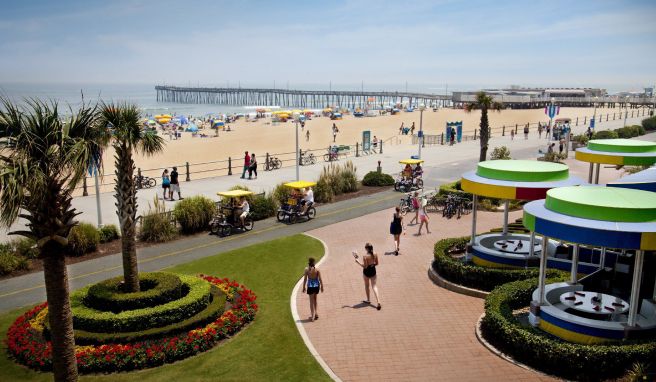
[
  {"x": 263, "y": 207},
  {"x": 10, "y": 261},
  {"x": 455, "y": 189},
  {"x": 156, "y": 224},
  {"x": 82, "y": 239},
  {"x": 25, "y": 247},
  {"x": 349, "y": 181},
  {"x": 195, "y": 300},
  {"x": 556, "y": 157},
  {"x": 500, "y": 153},
  {"x": 194, "y": 213},
  {"x": 157, "y": 288},
  {"x": 605, "y": 134},
  {"x": 549, "y": 354},
  {"x": 473, "y": 276},
  {"x": 649, "y": 124},
  {"x": 377, "y": 179},
  {"x": 108, "y": 233},
  {"x": 582, "y": 139},
  {"x": 323, "y": 192},
  {"x": 629, "y": 131},
  {"x": 282, "y": 193}
]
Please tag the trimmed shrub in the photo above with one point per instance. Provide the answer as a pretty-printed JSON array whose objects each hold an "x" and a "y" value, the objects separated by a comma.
[
  {"x": 649, "y": 124},
  {"x": 108, "y": 233},
  {"x": 263, "y": 207},
  {"x": 195, "y": 300},
  {"x": 455, "y": 189},
  {"x": 473, "y": 276},
  {"x": 558, "y": 157},
  {"x": 82, "y": 239},
  {"x": 547, "y": 353},
  {"x": 209, "y": 314},
  {"x": 10, "y": 261},
  {"x": 157, "y": 288},
  {"x": 628, "y": 131},
  {"x": 194, "y": 213},
  {"x": 282, "y": 193},
  {"x": 377, "y": 179},
  {"x": 156, "y": 225},
  {"x": 500, "y": 153},
  {"x": 25, "y": 247},
  {"x": 605, "y": 134}
]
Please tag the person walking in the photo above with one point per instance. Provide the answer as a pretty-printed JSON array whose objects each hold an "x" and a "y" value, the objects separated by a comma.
[
  {"x": 396, "y": 227},
  {"x": 525, "y": 132},
  {"x": 175, "y": 184},
  {"x": 548, "y": 131},
  {"x": 540, "y": 130},
  {"x": 312, "y": 279},
  {"x": 335, "y": 131},
  {"x": 415, "y": 206},
  {"x": 307, "y": 136},
  {"x": 247, "y": 163},
  {"x": 423, "y": 216},
  {"x": 166, "y": 184},
  {"x": 561, "y": 145},
  {"x": 512, "y": 134},
  {"x": 412, "y": 129},
  {"x": 368, "y": 264},
  {"x": 252, "y": 168},
  {"x": 401, "y": 129}
]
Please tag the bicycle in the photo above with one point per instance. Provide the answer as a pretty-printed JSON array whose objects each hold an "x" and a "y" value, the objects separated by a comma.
[
  {"x": 144, "y": 182},
  {"x": 406, "y": 204},
  {"x": 330, "y": 157},
  {"x": 273, "y": 163},
  {"x": 307, "y": 159}
]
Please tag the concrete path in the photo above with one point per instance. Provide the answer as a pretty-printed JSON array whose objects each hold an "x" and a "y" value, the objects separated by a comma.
[{"x": 423, "y": 332}]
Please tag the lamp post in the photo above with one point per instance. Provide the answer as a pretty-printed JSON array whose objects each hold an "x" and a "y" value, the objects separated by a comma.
[
  {"x": 420, "y": 141},
  {"x": 626, "y": 109},
  {"x": 594, "y": 114},
  {"x": 551, "y": 115},
  {"x": 298, "y": 153}
]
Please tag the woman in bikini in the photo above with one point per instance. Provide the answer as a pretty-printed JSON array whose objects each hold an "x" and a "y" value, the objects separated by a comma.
[
  {"x": 368, "y": 264},
  {"x": 312, "y": 278}
]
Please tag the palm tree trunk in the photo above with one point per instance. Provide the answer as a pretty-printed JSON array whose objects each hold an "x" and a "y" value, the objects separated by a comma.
[
  {"x": 60, "y": 317},
  {"x": 126, "y": 203},
  {"x": 485, "y": 135}
]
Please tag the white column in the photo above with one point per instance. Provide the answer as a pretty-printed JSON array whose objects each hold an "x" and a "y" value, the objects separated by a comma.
[
  {"x": 635, "y": 288},
  {"x": 602, "y": 258},
  {"x": 531, "y": 248},
  {"x": 505, "y": 217},
  {"x": 575, "y": 265},
  {"x": 543, "y": 270},
  {"x": 474, "y": 208}
]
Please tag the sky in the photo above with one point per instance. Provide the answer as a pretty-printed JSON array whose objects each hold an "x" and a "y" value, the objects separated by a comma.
[{"x": 251, "y": 43}]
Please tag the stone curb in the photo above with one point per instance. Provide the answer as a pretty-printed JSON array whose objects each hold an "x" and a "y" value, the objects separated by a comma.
[
  {"x": 440, "y": 281},
  {"x": 495, "y": 351},
  {"x": 299, "y": 324}
]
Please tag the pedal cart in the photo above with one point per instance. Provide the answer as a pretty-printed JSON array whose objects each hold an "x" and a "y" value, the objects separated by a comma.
[
  {"x": 292, "y": 210},
  {"x": 228, "y": 215},
  {"x": 410, "y": 177}
]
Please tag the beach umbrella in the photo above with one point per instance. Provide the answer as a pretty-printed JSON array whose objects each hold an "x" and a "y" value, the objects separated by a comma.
[
  {"x": 183, "y": 120},
  {"x": 151, "y": 122},
  {"x": 193, "y": 128}
]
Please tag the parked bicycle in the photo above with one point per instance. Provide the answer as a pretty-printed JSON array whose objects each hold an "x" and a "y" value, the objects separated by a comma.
[
  {"x": 307, "y": 159},
  {"x": 273, "y": 163},
  {"x": 144, "y": 182},
  {"x": 406, "y": 204},
  {"x": 456, "y": 206}
]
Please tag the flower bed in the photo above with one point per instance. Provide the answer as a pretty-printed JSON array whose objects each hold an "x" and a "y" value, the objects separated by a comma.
[
  {"x": 549, "y": 354},
  {"x": 28, "y": 346}
]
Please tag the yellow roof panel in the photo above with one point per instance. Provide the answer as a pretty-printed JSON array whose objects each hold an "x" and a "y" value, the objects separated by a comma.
[
  {"x": 300, "y": 184},
  {"x": 411, "y": 161},
  {"x": 234, "y": 193}
]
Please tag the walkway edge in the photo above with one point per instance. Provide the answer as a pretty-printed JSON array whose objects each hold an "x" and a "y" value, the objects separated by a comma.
[
  {"x": 498, "y": 353},
  {"x": 299, "y": 324},
  {"x": 440, "y": 281}
]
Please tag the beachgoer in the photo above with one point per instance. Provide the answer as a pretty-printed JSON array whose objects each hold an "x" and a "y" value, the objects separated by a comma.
[
  {"x": 550, "y": 148},
  {"x": 247, "y": 163},
  {"x": 453, "y": 137},
  {"x": 308, "y": 199},
  {"x": 175, "y": 184},
  {"x": 412, "y": 129},
  {"x": 375, "y": 143},
  {"x": 166, "y": 184},
  {"x": 407, "y": 171},
  {"x": 335, "y": 131},
  {"x": 368, "y": 264},
  {"x": 245, "y": 209},
  {"x": 512, "y": 134},
  {"x": 525, "y": 132},
  {"x": 540, "y": 130},
  {"x": 396, "y": 227},
  {"x": 415, "y": 206},
  {"x": 548, "y": 131},
  {"x": 423, "y": 216},
  {"x": 312, "y": 278},
  {"x": 252, "y": 168},
  {"x": 401, "y": 129},
  {"x": 561, "y": 145},
  {"x": 307, "y": 136}
]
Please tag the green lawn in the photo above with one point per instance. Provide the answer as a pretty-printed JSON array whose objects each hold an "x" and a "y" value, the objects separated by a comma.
[{"x": 268, "y": 349}]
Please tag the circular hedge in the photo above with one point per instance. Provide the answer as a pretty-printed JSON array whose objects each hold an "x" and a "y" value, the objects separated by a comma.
[
  {"x": 474, "y": 276},
  {"x": 28, "y": 345},
  {"x": 377, "y": 179},
  {"x": 195, "y": 300},
  {"x": 157, "y": 288},
  {"x": 550, "y": 354}
]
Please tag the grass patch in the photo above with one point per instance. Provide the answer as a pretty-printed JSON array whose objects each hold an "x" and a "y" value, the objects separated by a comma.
[{"x": 268, "y": 349}]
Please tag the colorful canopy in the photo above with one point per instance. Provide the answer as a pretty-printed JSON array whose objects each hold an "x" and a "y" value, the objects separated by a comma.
[
  {"x": 644, "y": 180},
  {"x": 598, "y": 216},
  {"x": 618, "y": 152},
  {"x": 300, "y": 184},
  {"x": 234, "y": 193},
  {"x": 411, "y": 161},
  {"x": 517, "y": 179}
]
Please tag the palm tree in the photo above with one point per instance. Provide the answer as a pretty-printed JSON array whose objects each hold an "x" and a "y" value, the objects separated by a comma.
[
  {"x": 128, "y": 137},
  {"x": 484, "y": 102},
  {"x": 48, "y": 157}
]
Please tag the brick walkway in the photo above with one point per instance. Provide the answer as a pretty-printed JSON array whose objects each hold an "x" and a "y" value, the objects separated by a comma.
[{"x": 423, "y": 332}]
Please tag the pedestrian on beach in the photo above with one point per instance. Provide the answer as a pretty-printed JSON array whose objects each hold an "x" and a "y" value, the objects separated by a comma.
[
  {"x": 415, "y": 206},
  {"x": 548, "y": 131},
  {"x": 396, "y": 228},
  {"x": 368, "y": 264},
  {"x": 453, "y": 136},
  {"x": 175, "y": 184},
  {"x": 401, "y": 129},
  {"x": 412, "y": 129},
  {"x": 166, "y": 184},
  {"x": 312, "y": 279},
  {"x": 423, "y": 216},
  {"x": 335, "y": 131},
  {"x": 561, "y": 145},
  {"x": 307, "y": 136},
  {"x": 512, "y": 134},
  {"x": 375, "y": 143},
  {"x": 247, "y": 163},
  {"x": 540, "y": 130},
  {"x": 525, "y": 132},
  {"x": 252, "y": 168}
]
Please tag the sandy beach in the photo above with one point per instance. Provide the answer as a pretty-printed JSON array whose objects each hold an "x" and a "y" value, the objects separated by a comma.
[{"x": 265, "y": 136}]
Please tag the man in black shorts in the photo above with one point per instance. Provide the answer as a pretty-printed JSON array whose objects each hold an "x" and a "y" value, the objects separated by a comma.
[{"x": 175, "y": 185}]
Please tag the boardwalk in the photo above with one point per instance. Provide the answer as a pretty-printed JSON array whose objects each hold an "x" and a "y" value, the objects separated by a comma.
[{"x": 423, "y": 332}]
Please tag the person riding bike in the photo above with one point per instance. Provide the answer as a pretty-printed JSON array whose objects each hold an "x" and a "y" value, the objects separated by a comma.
[{"x": 308, "y": 200}]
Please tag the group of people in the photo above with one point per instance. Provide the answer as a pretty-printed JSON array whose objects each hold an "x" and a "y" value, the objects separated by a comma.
[
  {"x": 250, "y": 165},
  {"x": 407, "y": 130},
  {"x": 170, "y": 184},
  {"x": 304, "y": 197}
]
